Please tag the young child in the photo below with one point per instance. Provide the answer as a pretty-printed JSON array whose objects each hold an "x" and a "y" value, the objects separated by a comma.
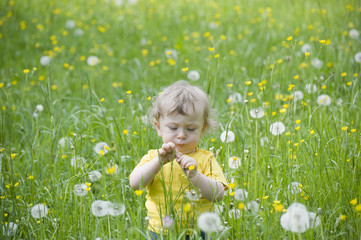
[{"x": 181, "y": 115}]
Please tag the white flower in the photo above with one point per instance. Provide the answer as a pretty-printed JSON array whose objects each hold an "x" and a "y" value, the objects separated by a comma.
[
  {"x": 263, "y": 141},
  {"x": 277, "y": 128},
  {"x": 171, "y": 53},
  {"x": 236, "y": 98},
  {"x": 296, "y": 219},
  {"x": 193, "y": 75},
  {"x": 78, "y": 32},
  {"x": 314, "y": 219},
  {"x": 70, "y": 24},
  {"x": 358, "y": 57},
  {"x": 192, "y": 195},
  {"x": 39, "y": 211},
  {"x": 143, "y": 41},
  {"x": 100, "y": 208},
  {"x": 227, "y": 136},
  {"x": 323, "y": 100},
  {"x": 218, "y": 209},
  {"x": 209, "y": 222},
  {"x": 80, "y": 189},
  {"x": 167, "y": 221},
  {"x": 94, "y": 176},
  {"x": 339, "y": 102},
  {"x": 35, "y": 114},
  {"x": 311, "y": 88},
  {"x": 45, "y": 60},
  {"x": 39, "y": 108},
  {"x": 101, "y": 148},
  {"x": 317, "y": 63},
  {"x": 9, "y": 229},
  {"x": 298, "y": 95},
  {"x": 92, "y": 60},
  {"x": 234, "y": 162},
  {"x": 116, "y": 209},
  {"x": 294, "y": 187},
  {"x": 252, "y": 206},
  {"x": 65, "y": 142},
  {"x": 240, "y": 195},
  {"x": 234, "y": 213},
  {"x": 213, "y": 25},
  {"x": 353, "y": 33},
  {"x": 306, "y": 48},
  {"x": 77, "y": 161},
  {"x": 256, "y": 112}
]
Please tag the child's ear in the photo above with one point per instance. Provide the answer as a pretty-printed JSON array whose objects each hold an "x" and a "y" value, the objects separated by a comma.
[
  {"x": 205, "y": 125},
  {"x": 157, "y": 127}
]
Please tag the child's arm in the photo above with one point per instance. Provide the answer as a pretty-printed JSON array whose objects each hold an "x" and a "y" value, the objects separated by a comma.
[
  {"x": 143, "y": 175},
  {"x": 210, "y": 189}
]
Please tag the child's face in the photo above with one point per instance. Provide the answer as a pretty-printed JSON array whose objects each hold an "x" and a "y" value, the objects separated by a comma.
[{"x": 184, "y": 131}]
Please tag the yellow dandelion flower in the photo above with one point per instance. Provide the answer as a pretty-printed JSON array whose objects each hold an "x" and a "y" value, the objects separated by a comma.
[
  {"x": 353, "y": 201},
  {"x": 171, "y": 61},
  {"x": 297, "y": 128},
  {"x": 138, "y": 192},
  {"x": 248, "y": 82},
  {"x": 296, "y": 77},
  {"x": 349, "y": 83},
  {"x": 191, "y": 167},
  {"x": 298, "y": 121},
  {"x": 322, "y": 41},
  {"x": 265, "y": 197},
  {"x": 232, "y": 185},
  {"x": 102, "y": 100},
  {"x": 312, "y": 132},
  {"x": 185, "y": 69},
  {"x": 2, "y": 149},
  {"x": 229, "y": 85},
  {"x": 358, "y": 208},
  {"x": 316, "y": 154},
  {"x": 283, "y": 110},
  {"x": 289, "y": 38},
  {"x": 120, "y": 101},
  {"x": 353, "y": 130},
  {"x": 279, "y": 207},
  {"x": 101, "y": 152},
  {"x": 231, "y": 194},
  {"x": 129, "y": 92},
  {"x": 125, "y": 131},
  {"x": 344, "y": 128},
  {"x": 13, "y": 155},
  {"x": 344, "y": 74},
  {"x": 88, "y": 189},
  {"x": 31, "y": 177},
  {"x": 307, "y": 54},
  {"x": 241, "y": 206},
  {"x": 187, "y": 207},
  {"x": 211, "y": 49}
]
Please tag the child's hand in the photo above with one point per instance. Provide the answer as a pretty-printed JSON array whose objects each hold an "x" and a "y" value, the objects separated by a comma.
[
  {"x": 187, "y": 163},
  {"x": 167, "y": 152}
]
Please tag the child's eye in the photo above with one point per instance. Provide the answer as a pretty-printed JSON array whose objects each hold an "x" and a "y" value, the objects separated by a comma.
[
  {"x": 172, "y": 128},
  {"x": 191, "y": 129}
]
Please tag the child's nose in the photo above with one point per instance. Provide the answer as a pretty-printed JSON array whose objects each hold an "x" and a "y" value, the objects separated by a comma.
[{"x": 182, "y": 134}]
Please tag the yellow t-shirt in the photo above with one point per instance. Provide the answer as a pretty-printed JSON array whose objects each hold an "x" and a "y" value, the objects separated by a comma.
[{"x": 172, "y": 178}]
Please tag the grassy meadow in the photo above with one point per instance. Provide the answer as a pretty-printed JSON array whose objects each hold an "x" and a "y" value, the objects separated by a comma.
[{"x": 77, "y": 73}]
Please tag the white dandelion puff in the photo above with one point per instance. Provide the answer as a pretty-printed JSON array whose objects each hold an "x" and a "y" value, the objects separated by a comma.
[
  {"x": 323, "y": 100},
  {"x": 252, "y": 206},
  {"x": 39, "y": 108},
  {"x": 45, "y": 60},
  {"x": 209, "y": 222},
  {"x": 193, "y": 75},
  {"x": 70, "y": 24},
  {"x": 264, "y": 141},
  {"x": 234, "y": 213},
  {"x": 213, "y": 25},
  {"x": 316, "y": 63},
  {"x": 354, "y": 34},
  {"x": 294, "y": 187},
  {"x": 101, "y": 148},
  {"x": 9, "y": 229},
  {"x": 167, "y": 221},
  {"x": 100, "y": 208},
  {"x": 80, "y": 189},
  {"x": 277, "y": 128},
  {"x": 236, "y": 98},
  {"x": 77, "y": 161},
  {"x": 314, "y": 219},
  {"x": 306, "y": 48},
  {"x": 171, "y": 53},
  {"x": 296, "y": 219},
  {"x": 297, "y": 95},
  {"x": 358, "y": 57},
  {"x": 234, "y": 162},
  {"x": 240, "y": 195},
  {"x": 116, "y": 209},
  {"x": 227, "y": 136},
  {"x": 218, "y": 209},
  {"x": 339, "y": 102},
  {"x": 78, "y": 32},
  {"x": 65, "y": 142},
  {"x": 39, "y": 211},
  {"x": 192, "y": 195},
  {"x": 256, "y": 112},
  {"x": 311, "y": 88},
  {"x": 94, "y": 176},
  {"x": 92, "y": 60}
]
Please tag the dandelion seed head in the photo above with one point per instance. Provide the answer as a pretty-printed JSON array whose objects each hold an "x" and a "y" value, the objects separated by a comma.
[
  {"x": 306, "y": 48},
  {"x": 70, "y": 24},
  {"x": 227, "y": 136},
  {"x": 234, "y": 162},
  {"x": 100, "y": 208},
  {"x": 277, "y": 128},
  {"x": 234, "y": 213},
  {"x": 94, "y": 176},
  {"x": 296, "y": 219},
  {"x": 323, "y": 100},
  {"x": 116, "y": 209},
  {"x": 193, "y": 75},
  {"x": 92, "y": 60},
  {"x": 311, "y": 88},
  {"x": 294, "y": 187},
  {"x": 101, "y": 146},
  {"x": 236, "y": 98},
  {"x": 78, "y": 32},
  {"x": 256, "y": 112},
  {"x": 358, "y": 57},
  {"x": 80, "y": 189},
  {"x": 192, "y": 195},
  {"x": 240, "y": 195},
  {"x": 354, "y": 34},
  {"x": 39, "y": 211},
  {"x": 297, "y": 95},
  {"x": 264, "y": 141},
  {"x": 252, "y": 206},
  {"x": 45, "y": 60},
  {"x": 209, "y": 222},
  {"x": 9, "y": 229},
  {"x": 316, "y": 63},
  {"x": 77, "y": 162}
]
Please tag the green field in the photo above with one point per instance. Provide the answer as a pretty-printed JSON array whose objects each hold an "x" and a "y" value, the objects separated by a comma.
[{"x": 77, "y": 73}]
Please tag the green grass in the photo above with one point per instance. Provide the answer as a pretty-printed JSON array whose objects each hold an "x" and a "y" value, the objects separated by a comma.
[{"x": 251, "y": 43}]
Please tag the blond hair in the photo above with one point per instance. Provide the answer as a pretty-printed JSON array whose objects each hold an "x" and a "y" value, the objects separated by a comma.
[{"x": 178, "y": 97}]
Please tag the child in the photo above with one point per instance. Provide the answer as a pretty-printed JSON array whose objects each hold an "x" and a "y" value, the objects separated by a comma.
[{"x": 181, "y": 115}]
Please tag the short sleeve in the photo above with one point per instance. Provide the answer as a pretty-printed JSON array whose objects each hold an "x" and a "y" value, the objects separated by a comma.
[
  {"x": 213, "y": 170},
  {"x": 148, "y": 157}
]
